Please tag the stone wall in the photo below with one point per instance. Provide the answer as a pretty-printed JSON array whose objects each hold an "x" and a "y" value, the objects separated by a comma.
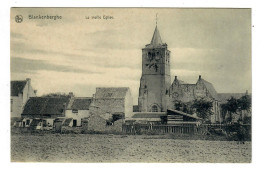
[
  {"x": 77, "y": 116},
  {"x": 97, "y": 123},
  {"x": 110, "y": 105}
]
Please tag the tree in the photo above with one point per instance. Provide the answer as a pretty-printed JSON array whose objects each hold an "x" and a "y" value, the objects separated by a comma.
[
  {"x": 58, "y": 94},
  {"x": 184, "y": 107},
  {"x": 224, "y": 111},
  {"x": 203, "y": 108},
  {"x": 244, "y": 104},
  {"x": 178, "y": 105},
  {"x": 233, "y": 106}
]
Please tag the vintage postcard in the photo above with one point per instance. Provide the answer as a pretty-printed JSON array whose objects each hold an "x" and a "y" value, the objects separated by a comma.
[{"x": 131, "y": 85}]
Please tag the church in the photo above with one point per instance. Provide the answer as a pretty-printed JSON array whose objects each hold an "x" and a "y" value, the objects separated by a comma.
[{"x": 157, "y": 93}]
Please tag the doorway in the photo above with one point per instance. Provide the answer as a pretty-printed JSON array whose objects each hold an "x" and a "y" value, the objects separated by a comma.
[{"x": 74, "y": 123}]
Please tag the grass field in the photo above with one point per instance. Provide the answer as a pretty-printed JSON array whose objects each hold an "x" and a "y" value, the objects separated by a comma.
[{"x": 118, "y": 148}]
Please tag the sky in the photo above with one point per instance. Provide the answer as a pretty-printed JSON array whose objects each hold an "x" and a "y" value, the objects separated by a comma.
[{"x": 75, "y": 54}]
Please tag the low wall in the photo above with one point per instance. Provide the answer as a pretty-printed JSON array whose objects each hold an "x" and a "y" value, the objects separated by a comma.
[{"x": 161, "y": 129}]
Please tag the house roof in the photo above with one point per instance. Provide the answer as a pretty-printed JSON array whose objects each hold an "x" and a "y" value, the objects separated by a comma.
[
  {"x": 210, "y": 88},
  {"x": 45, "y": 106},
  {"x": 111, "y": 92},
  {"x": 17, "y": 87},
  {"x": 182, "y": 113},
  {"x": 223, "y": 97},
  {"x": 35, "y": 122},
  {"x": 80, "y": 103},
  {"x": 149, "y": 114}
]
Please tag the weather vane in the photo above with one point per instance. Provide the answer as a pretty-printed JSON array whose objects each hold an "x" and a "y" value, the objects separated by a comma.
[{"x": 156, "y": 18}]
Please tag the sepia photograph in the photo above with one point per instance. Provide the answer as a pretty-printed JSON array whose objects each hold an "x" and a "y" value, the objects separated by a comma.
[{"x": 130, "y": 85}]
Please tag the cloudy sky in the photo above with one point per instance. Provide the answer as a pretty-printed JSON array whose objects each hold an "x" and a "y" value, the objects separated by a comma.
[{"x": 78, "y": 54}]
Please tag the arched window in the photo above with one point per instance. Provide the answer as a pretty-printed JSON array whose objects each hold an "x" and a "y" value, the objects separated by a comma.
[{"x": 154, "y": 108}]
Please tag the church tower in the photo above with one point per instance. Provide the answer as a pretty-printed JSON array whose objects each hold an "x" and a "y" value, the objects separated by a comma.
[{"x": 156, "y": 78}]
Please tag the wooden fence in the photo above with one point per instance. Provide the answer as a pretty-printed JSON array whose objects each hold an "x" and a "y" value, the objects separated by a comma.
[{"x": 160, "y": 129}]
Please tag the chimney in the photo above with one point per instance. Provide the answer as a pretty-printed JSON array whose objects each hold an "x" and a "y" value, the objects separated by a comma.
[
  {"x": 199, "y": 77},
  {"x": 64, "y": 108},
  {"x": 175, "y": 77},
  {"x": 28, "y": 81},
  {"x": 35, "y": 92},
  {"x": 71, "y": 94}
]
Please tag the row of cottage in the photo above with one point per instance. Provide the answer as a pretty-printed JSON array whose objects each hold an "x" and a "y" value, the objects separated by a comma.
[{"x": 108, "y": 109}]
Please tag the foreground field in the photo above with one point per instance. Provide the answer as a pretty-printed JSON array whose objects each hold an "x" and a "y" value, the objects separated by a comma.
[{"x": 118, "y": 148}]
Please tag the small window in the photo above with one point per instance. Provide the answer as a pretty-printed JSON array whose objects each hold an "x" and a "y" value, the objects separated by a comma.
[
  {"x": 12, "y": 105},
  {"x": 74, "y": 110},
  {"x": 154, "y": 108},
  {"x": 27, "y": 122},
  {"x": 109, "y": 123}
]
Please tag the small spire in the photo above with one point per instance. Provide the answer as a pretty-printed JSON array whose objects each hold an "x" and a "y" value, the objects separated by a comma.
[{"x": 156, "y": 40}]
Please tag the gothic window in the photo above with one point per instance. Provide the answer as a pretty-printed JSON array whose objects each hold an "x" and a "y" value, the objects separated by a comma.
[{"x": 154, "y": 108}]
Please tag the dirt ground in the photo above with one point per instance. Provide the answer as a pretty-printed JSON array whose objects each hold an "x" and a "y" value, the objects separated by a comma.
[{"x": 118, "y": 148}]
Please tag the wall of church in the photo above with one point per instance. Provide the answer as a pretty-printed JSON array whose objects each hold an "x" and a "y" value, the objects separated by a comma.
[
  {"x": 155, "y": 80},
  {"x": 153, "y": 92},
  {"x": 189, "y": 92}
]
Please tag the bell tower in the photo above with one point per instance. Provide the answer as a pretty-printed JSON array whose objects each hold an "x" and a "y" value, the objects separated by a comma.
[{"x": 156, "y": 78}]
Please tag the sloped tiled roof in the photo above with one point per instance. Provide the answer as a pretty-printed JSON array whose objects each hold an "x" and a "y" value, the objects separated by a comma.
[
  {"x": 35, "y": 122},
  {"x": 211, "y": 89},
  {"x": 67, "y": 122},
  {"x": 182, "y": 113},
  {"x": 45, "y": 106},
  {"x": 149, "y": 115},
  {"x": 80, "y": 103},
  {"x": 111, "y": 92},
  {"x": 17, "y": 87}
]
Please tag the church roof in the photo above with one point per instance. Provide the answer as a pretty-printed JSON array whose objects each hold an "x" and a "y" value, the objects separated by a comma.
[
  {"x": 182, "y": 82},
  {"x": 211, "y": 89},
  {"x": 156, "y": 40}
]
